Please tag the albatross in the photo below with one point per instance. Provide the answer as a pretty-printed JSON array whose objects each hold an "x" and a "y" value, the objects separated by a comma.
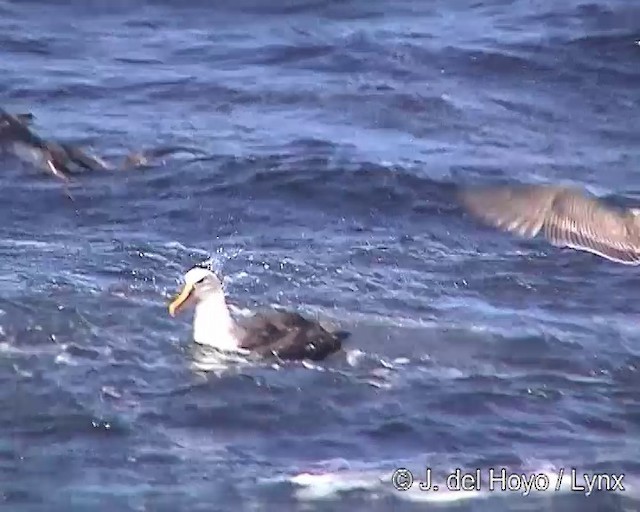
[
  {"x": 566, "y": 217},
  {"x": 60, "y": 158},
  {"x": 284, "y": 334}
]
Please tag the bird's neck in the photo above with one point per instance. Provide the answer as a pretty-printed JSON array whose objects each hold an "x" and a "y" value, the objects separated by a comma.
[{"x": 213, "y": 325}]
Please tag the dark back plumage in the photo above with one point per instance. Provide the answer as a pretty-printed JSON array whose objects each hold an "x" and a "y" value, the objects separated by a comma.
[
  {"x": 289, "y": 335},
  {"x": 566, "y": 217}
]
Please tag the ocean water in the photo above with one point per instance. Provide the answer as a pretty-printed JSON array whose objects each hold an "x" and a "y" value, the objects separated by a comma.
[{"x": 337, "y": 133}]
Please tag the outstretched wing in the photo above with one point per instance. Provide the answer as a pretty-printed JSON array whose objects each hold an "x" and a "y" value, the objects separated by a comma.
[
  {"x": 521, "y": 210},
  {"x": 566, "y": 217}
]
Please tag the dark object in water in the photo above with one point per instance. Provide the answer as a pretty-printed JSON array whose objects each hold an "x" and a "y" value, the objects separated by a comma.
[
  {"x": 15, "y": 136},
  {"x": 61, "y": 159}
]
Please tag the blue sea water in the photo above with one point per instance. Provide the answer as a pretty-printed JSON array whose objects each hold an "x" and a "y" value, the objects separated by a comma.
[{"x": 337, "y": 133}]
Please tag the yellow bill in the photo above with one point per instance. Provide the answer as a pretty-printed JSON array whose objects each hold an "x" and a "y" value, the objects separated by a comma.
[{"x": 180, "y": 301}]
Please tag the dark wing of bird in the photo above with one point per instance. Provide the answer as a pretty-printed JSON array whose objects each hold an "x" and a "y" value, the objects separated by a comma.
[
  {"x": 288, "y": 335},
  {"x": 83, "y": 159},
  {"x": 566, "y": 217}
]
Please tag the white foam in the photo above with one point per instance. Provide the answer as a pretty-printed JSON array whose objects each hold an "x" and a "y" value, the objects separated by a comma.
[
  {"x": 66, "y": 359},
  {"x": 324, "y": 486},
  {"x": 217, "y": 362},
  {"x": 354, "y": 357}
]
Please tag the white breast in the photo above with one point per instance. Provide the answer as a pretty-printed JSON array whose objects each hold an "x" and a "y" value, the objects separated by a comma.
[{"x": 213, "y": 325}]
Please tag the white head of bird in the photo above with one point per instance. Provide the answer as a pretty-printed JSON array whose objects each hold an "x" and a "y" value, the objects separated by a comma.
[{"x": 212, "y": 321}]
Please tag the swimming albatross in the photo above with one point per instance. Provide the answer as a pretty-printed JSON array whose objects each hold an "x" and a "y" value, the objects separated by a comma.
[
  {"x": 284, "y": 334},
  {"x": 567, "y": 217},
  {"x": 60, "y": 158}
]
